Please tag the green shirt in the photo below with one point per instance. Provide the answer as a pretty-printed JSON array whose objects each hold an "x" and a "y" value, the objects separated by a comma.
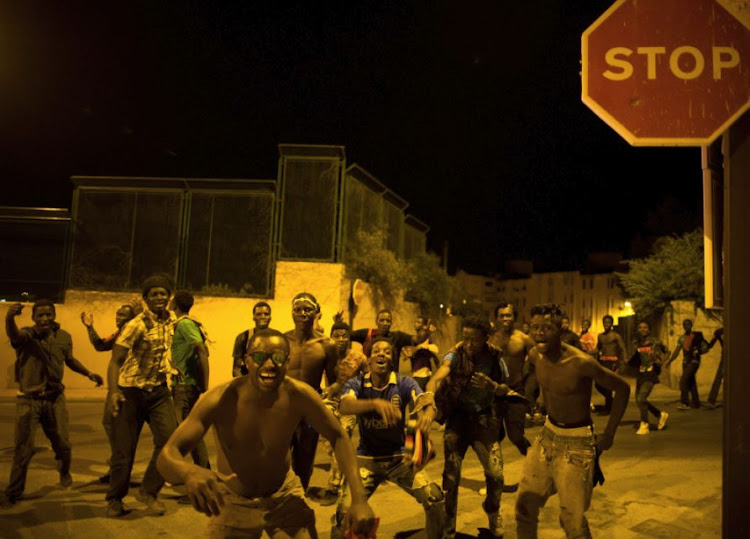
[{"x": 187, "y": 333}]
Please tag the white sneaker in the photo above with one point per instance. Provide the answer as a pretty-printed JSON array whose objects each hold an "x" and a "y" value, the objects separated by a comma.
[
  {"x": 643, "y": 429},
  {"x": 662, "y": 420}
]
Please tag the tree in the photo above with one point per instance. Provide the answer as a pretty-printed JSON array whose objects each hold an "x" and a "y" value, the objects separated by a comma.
[
  {"x": 429, "y": 284},
  {"x": 673, "y": 271},
  {"x": 369, "y": 260}
]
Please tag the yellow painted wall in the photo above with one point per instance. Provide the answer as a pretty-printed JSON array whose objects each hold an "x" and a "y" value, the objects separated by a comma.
[{"x": 224, "y": 318}]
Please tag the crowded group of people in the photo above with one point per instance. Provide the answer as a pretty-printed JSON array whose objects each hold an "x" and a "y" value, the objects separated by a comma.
[{"x": 288, "y": 388}]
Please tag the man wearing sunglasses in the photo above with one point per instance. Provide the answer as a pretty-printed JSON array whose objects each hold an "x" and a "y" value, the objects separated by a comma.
[
  {"x": 255, "y": 417},
  {"x": 310, "y": 355}
]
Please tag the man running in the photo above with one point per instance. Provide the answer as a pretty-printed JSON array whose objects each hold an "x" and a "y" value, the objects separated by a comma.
[
  {"x": 123, "y": 315},
  {"x": 468, "y": 381},
  {"x": 310, "y": 356},
  {"x": 254, "y": 419},
  {"x": 42, "y": 353},
  {"x": 562, "y": 457},
  {"x": 647, "y": 359},
  {"x": 588, "y": 341},
  {"x": 261, "y": 319},
  {"x": 693, "y": 345},
  {"x": 514, "y": 345},
  {"x": 610, "y": 350},
  {"x": 379, "y": 400}
]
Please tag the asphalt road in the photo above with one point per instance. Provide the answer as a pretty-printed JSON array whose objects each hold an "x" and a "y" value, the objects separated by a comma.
[{"x": 665, "y": 484}]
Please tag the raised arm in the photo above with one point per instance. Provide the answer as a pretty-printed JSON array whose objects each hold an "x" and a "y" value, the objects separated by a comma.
[
  {"x": 621, "y": 393},
  {"x": 11, "y": 329}
]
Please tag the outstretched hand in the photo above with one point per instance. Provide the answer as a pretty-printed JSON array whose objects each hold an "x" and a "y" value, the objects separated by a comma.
[
  {"x": 202, "y": 487},
  {"x": 388, "y": 412},
  {"x": 97, "y": 379}
]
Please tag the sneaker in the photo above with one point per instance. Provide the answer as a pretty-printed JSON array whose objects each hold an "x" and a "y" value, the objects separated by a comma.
[
  {"x": 683, "y": 407},
  {"x": 115, "y": 508},
  {"x": 153, "y": 505},
  {"x": 496, "y": 524},
  {"x": 643, "y": 429},
  {"x": 66, "y": 480},
  {"x": 662, "y": 420}
]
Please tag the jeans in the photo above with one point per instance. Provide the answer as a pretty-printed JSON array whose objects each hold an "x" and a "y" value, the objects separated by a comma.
[
  {"x": 185, "y": 397},
  {"x": 688, "y": 384},
  {"x": 153, "y": 406},
  {"x": 480, "y": 432},
  {"x": 349, "y": 422},
  {"x": 416, "y": 484},
  {"x": 107, "y": 424},
  {"x": 52, "y": 415},
  {"x": 643, "y": 387},
  {"x": 562, "y": 461},
  {"x": 304, "y": 444}
]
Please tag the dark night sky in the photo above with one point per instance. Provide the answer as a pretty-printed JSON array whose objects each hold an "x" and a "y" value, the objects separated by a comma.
[{"x": 471, "y": 111}]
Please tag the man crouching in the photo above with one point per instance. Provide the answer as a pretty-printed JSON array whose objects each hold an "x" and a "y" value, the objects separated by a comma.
[
  {"x": 379, "y": 399},
  {"x": 255, "y": 417}
]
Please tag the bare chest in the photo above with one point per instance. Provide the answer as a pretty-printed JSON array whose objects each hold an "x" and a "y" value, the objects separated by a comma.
[
  {"x": 559, "y": 378},
  {"x": 307, "y": 362}
]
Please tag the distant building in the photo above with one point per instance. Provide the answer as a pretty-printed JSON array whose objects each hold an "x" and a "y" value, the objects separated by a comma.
[{"x": 590, "y": 293}]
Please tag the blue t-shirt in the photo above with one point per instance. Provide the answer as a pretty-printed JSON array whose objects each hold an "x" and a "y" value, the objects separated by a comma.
[{"x": 375, "y": 439}]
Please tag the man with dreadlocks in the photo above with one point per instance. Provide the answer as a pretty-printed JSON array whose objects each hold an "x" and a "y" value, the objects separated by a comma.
[{"x": 473, "y": 374}]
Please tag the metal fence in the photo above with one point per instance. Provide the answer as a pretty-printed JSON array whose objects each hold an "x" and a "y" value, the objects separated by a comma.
[
  {"x": 211, "y": 236},
  {"x": 309, "y": 193},
  {"x": 33, "y": 258},
  {"x": 370, "y": 205}
]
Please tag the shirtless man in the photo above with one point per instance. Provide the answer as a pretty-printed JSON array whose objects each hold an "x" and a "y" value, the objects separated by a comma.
[
  {"x": 561, "y": 459},
  {"x": 254, "y": 419},
  {"x": 610, "y": 350},
  {"x": 515, "y": 345},
  {"x": 310, "y": 355},
  {"x": 588, "y": 341}
]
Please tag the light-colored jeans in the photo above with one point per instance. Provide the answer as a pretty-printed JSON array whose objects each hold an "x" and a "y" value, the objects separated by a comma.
[
  {"x": 417, "y": 484},
  {"x": 560, "y": 460}
]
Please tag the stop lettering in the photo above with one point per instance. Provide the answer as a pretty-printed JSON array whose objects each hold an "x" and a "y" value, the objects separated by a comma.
[{"x": 663, "y": 75}]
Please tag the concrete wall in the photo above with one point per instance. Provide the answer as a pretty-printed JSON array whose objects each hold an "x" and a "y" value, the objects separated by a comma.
[
  {"x": 670, "y": 331},
  {"x": 224, "y": 318}
]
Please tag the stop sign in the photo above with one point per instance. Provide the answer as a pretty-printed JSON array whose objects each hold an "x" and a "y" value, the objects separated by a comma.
[{"x": 667, "y": 72}]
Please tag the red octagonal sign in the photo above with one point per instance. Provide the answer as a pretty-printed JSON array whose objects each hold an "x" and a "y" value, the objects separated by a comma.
[{"x": 667, "y": 72}]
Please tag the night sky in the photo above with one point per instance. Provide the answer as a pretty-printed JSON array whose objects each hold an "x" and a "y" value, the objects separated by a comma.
[{"x": 471, "y": 111}]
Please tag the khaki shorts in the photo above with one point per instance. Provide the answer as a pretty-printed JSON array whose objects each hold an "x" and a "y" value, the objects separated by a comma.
[{"x": 284, "y": 512}]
